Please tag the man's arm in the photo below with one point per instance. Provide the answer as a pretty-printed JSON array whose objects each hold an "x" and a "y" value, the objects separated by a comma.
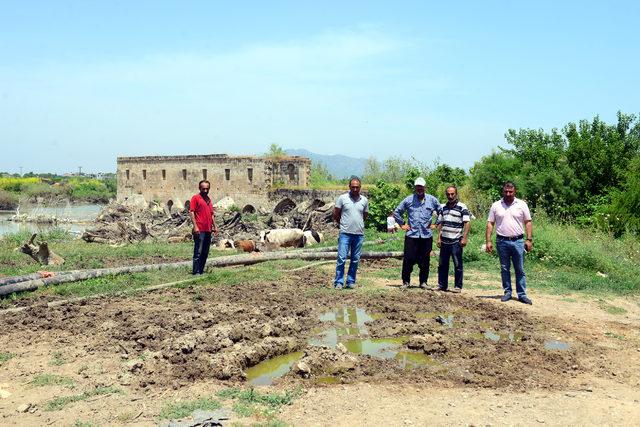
[
  {"x": 528, "y": 244},
  {"x": 192, "y": 215},
  {"x": 487, "y": 237},
  {"x": 397, "y": 214},
  {"x": 213, "y": 223},
  {"x": 439, "y": 241},
  {"x": 337, "y": 212},
  {"x": 465, "y": 233},
  {"x": 365, "y": 214}
]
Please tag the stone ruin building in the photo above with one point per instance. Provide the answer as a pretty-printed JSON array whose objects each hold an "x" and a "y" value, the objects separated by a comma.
[{"x": 171, "y": 180}]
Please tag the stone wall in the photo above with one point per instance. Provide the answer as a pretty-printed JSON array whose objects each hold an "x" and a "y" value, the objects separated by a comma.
[{"x": 174, "y": 179}]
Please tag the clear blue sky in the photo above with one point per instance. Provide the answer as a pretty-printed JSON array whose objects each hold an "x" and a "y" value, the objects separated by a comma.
[{"x": 82, "y": 82}]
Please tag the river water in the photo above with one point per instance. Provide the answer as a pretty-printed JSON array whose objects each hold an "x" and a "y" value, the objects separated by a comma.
[{"x": 84, "y": 213}]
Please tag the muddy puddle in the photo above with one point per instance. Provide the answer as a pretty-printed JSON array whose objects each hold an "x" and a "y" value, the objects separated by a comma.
[{"x": 349, "y": 330}]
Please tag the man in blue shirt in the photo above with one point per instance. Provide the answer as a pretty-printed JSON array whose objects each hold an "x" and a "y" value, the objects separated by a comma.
[{"x": 418, "y": 241}]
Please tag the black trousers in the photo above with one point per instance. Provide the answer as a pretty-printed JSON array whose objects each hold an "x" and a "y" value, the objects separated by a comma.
[
  {"x": 416, "y": 250},
  {"x": 453, "y": 250},
  {"x": 201, "y": 243}
]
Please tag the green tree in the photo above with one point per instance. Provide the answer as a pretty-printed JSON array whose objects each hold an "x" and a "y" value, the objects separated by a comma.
[
  {"x": 372, "y": 170},
  {"x": 320, "y": 175},
  {"x": 275, "y": 152},
  {"x": 490, "y": 172},
  {"x": 599, "y": 153},
  {"x": 623, "y": 214}
]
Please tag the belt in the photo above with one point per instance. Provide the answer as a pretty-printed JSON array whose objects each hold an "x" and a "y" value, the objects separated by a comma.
[{"x": 514, "y": 238}]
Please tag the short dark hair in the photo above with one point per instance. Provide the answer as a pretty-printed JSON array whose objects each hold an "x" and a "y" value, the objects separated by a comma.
[
  {"x": 203, "y": 182},
  {"x": 508, "y": 184},
  {"x": 354, "y": 178},
  {"x": 451, "y": 186}
]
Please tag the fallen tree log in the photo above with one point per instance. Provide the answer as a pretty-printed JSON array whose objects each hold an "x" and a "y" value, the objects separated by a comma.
[
  {"x": 41, "y": 252},
  {"x": 224, "y": 261}
]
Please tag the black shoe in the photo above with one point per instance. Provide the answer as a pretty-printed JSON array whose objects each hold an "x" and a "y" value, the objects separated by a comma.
[
  {"x": 505, "y": 297},
  {"x": 525, "y": 300}
]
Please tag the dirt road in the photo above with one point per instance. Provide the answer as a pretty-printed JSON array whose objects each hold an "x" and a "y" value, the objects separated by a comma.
[{"x": 375, "y": 355}]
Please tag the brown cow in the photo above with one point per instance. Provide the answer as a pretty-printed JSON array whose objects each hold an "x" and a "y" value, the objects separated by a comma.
[{"x": 245, "y": 245}]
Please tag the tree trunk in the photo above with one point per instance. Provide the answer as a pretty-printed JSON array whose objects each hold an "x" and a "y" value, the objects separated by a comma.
[
  {"x": 41, "y": 252},
  {"x": 225, "y": 261}
]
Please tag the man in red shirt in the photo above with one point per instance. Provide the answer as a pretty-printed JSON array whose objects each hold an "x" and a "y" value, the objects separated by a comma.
[{"x": 201, "y": 212}]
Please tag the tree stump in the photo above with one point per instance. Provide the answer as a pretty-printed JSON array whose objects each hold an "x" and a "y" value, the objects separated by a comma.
[{"x": 41, "y": 252}]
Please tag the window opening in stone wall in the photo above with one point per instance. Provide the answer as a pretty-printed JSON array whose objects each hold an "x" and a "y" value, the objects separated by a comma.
[
  {"x": 127, "y": 172},
  {"x": 204, "y": 174},
  {"x": 164, "y": 174},
  {"x": 291, "y": 171},
  {"x": 227, "y": 174},
  {"x": 250, "y": 174},
  {"x": 144, "y": 174},
  {"x": 184, "y": 174}
]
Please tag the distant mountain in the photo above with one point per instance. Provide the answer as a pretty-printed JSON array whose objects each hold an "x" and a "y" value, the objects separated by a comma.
[{"x": 338, "y": 165}]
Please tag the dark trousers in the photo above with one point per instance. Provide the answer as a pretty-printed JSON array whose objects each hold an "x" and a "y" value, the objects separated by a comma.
[
  {"x": 416, "y": 250},
  {"x": 202, "y": 241},
  {"x": 453, "y": 250}
]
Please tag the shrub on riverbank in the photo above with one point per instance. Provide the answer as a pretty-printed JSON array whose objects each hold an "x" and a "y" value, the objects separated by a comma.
[
  {"x": 8, "y": 200},
  {"x": 52, "y": 190}
]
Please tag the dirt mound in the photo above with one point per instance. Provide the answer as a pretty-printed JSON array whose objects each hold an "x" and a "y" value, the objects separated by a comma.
[{"x": 171, "y": 338}]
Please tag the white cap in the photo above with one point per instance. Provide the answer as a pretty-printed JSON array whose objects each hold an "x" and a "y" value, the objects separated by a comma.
[{"x": 420, "y": 181}]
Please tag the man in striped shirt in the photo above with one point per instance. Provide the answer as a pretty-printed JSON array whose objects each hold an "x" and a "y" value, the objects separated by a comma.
[{"x": 453, "y": 229}]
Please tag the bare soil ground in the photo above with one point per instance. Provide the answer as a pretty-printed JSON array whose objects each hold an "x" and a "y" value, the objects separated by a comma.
[{"x": 187, "y": 343}]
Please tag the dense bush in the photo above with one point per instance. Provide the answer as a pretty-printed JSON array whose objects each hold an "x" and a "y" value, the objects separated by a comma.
[
  {"x": 383, "y": 198},
  {"x": 8, "y": 200},
  {"x": 90, "y": 190}
]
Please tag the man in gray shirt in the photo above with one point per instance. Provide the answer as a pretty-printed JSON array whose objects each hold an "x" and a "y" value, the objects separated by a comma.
[{"x": 350, "y": 212}]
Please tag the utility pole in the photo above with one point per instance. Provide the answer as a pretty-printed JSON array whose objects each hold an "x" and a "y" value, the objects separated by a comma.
[{"x": 79, "y": 170}]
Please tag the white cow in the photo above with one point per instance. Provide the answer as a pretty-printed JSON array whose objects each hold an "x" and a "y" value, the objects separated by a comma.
[
  {"x": 313, "y": 237},
  {"x": 283, "y": 237}
]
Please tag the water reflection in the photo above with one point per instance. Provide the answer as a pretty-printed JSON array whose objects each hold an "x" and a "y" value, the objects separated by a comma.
[{"x": 85, "y": 213}]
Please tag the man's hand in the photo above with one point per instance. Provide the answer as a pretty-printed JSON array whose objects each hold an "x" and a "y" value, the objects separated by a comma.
[
  {"x": 528, "y": 245},
  {"x": 215, "y": 231},
  {"x": 405, "y": 227},
  {"x": 438, "y": 242},
  {"x": 195, "y": 230},
  {"x": 489, "y": 247},
  {"x": 432, "y": 226},
  {"x": 463, "y": 242}
]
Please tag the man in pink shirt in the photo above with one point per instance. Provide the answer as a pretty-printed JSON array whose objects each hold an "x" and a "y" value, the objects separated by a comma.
[{"x": 512, "y": 221}]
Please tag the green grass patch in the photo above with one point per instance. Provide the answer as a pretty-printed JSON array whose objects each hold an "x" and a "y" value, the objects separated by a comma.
[
  {"x": 60, "y": 402},
  {"x": 612, "y": 309},
  {"x": 57, "y": 359},
  {"x": 252, "y": 396},
  {"x": 614, "y": 335},
  {"x": 178, "y": 410},
  {"x": 6, "y": 356},
  {"x": 43, "y": 380}
]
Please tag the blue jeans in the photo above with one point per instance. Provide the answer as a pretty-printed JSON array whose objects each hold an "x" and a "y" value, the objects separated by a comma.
[
  {"x": 453, "y": 250},
  {"x": 348, "y": 243},
  {"x": 201, "y": 241},
  {"x": 512, "y": 252}
]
